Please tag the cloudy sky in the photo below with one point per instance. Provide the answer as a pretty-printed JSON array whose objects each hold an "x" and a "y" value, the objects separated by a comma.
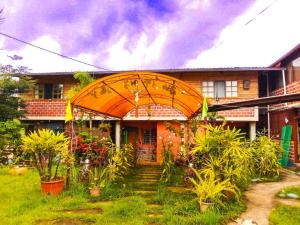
[{"x": 148, "y": 34}]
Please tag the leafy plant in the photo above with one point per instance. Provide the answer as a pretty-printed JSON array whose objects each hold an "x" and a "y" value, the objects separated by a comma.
[
  {"x": 168, "y": 161},
  {"x": 223, "y": 152},
  {"x": 97, "y": 177},
  {"x": 47, "y": 149},
  {"x": 10, "y": 139},
  {"x": 266, "y": 154},
  {"x": 208, "y": 188}
]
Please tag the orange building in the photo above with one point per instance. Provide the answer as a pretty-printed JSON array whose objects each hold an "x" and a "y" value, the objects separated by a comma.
[{"x": 145, "y": 128}]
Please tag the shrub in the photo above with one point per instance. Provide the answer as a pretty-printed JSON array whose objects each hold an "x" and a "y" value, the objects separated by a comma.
[
  {"x": 47, "y": 149},
  {"x": 223, "y": 152},
  {"x": 168, "y": 162},
  {"x": 208, "y": 188},
  {"x": 266, "y": 154}
]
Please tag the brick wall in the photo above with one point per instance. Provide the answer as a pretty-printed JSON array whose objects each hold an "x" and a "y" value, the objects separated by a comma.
[
  {"x": 46, "y": 107},
  {"x": 290, "y": 89},
  {"x": 156, "y": 111}
]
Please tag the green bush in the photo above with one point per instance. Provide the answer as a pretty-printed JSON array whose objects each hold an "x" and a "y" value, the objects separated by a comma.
[
  {"x": 266, "y": 154},
  {"x": 208, "y": 188},
  {"x": 168, "y": 161},
  {"x": 221, "y": 153}
]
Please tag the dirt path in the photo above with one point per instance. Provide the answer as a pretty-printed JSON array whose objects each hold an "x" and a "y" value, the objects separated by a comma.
[{"x": 261, "y": 199}]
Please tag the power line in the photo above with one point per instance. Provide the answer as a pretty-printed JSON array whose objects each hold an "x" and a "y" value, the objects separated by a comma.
[
  {"x": 252, "y": 19},
  {"x": 52, "y": 52},
  {"x": 261, "y": 12}
]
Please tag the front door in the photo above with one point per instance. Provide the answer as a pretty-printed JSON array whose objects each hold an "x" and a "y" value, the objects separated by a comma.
[
  {"x": 147, "y": 146},
  {"x": 143, "y": 136}
]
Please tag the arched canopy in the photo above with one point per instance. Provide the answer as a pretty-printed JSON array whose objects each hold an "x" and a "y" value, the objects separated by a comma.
[{"x": 116, "y": 95}]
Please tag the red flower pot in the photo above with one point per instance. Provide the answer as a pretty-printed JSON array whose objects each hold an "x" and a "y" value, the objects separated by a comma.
[
  {"x": 95, "y": 191},
  {"x": 53, "y": 187}
]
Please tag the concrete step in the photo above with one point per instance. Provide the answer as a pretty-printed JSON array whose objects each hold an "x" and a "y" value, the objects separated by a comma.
[
  {"x": 144, "y": 192},
  {"x": 143, "y": 181}
]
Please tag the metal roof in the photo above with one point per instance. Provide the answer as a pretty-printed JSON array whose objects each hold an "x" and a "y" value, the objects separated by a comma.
[
  {"x": 255, "y": 102},
  {"x": 290, "y": 55},
  {"x": 180, "y": 70}
]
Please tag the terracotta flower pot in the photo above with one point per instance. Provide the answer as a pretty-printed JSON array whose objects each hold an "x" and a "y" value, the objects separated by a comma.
[
  {"x": 204, "y": 206},
  {"x": 95, "y": 191},
  {"x": 54, "y": 187},
  {"x": 229, "y": 195}
]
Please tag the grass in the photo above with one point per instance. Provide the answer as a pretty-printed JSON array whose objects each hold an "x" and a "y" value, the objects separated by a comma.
[
  {"x": 183, "y": 209},
  {"x": 22, "y": 203},
  {"x": 289, "y": 190},
  {"x": 283, "y": 215}
]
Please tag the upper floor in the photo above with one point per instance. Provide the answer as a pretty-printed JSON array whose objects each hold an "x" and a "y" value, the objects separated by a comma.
[{"x": 220, "y": 86}]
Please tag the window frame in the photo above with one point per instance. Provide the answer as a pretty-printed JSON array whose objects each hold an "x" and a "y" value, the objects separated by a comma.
[
  {"x": 57, "y": 91},
  {"x": 212, "y": 93}
]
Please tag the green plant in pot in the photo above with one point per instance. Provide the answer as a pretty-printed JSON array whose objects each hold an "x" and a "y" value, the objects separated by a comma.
[
  {"x": 210, "y": 190},
  {"x": 97, "y": 181},
  {"x": 47, "y": 150}
]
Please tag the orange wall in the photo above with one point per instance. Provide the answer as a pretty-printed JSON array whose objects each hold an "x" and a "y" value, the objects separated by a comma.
[{"x": 166, "y": 135}]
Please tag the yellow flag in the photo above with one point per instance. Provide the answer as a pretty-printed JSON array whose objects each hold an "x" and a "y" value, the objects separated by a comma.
[
  {"x": 69, "y": 116},
  {"x": 204, "y": 108}
]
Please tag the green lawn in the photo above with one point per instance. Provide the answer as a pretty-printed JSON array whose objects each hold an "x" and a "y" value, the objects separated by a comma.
[
  {"x": 285, "y": 215},
  {"x": 21, "y": 203},
  {"x": 289, "y": 190}
]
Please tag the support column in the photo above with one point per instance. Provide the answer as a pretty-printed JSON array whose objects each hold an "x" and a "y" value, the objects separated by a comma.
[
  {"x": 252, "y": 130},
  {"x": 118, "y": 133}
]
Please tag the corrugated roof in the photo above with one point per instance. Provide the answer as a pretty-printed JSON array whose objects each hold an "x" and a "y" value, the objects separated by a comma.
[
  {"x": 294, "y": 52},
  {"x": 180, "y": 70}
]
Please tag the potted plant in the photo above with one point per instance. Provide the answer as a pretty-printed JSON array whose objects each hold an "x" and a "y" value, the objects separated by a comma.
[
  {"x": 47, "y": 150},
  {"x": 97, "y": 181},
  {"x": 210, "y": 190}
]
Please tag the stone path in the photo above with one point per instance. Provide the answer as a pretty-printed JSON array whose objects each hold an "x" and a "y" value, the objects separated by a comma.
[
  {"x": 261, "y": 199},
  {"x": 145, "y": 183}
]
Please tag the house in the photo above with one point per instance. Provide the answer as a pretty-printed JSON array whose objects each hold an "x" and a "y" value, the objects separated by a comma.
[
  {"x": 287, "y": 113},
  {"x": 145, "y": 126}
]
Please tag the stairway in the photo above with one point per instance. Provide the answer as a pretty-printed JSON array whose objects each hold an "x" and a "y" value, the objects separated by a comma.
[
  {"x": 145, "y": 178},
  {"x": 144, "y": 182}
]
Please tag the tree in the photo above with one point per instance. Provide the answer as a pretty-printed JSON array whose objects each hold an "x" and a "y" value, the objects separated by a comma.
[
  {"x": 12, "y": 105},
  {"x": 84, "y": 79}
]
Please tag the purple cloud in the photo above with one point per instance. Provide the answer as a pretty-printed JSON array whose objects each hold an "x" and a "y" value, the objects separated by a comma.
[{"x": 92, "y": 26}]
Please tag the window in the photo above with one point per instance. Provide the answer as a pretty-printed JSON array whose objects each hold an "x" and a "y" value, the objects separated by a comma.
[
  {"x": 219, "y": 89},
  {"x": 208, "y": 88},
  {"x": 149, "y": 136},
  {"x": 48, "y": 91},
  {"x": 231, "y": 88},
  {"x": 39, "y": 91},
  {"x": 58, "y": 91}
]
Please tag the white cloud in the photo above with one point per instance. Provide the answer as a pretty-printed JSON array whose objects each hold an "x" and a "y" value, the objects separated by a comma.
[
  {"x": 41, "y": 61},
  {"x": 144, "y": 53},
  {"x": 265, "y": 39}
]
